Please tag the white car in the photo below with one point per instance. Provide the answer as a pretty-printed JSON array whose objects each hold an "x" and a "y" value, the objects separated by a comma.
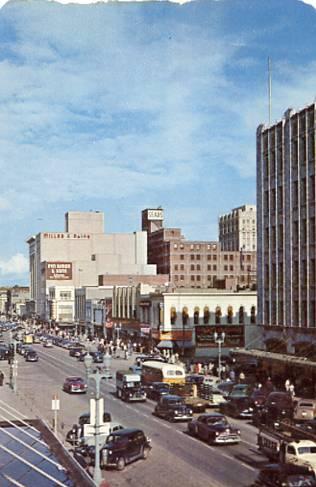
[{"x": 48, "y": 344}]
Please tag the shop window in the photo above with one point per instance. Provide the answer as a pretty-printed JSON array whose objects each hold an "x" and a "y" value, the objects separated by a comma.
[
  {"x": 230, "y": 314},
  {"x": 206, "y": 316},
  {"x": 185, "y": 316},
  {"x": 218, "y": 314},
  {"x": 253, "y": 315},
  {"x": 173, "y": 316},
  {"x": 241, "y": 315},
  {"x": 196, "y": 316}
]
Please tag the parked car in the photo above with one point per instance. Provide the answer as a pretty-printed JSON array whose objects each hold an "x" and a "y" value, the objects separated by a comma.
[
  {"x": 278, "y": 407},
  {"x": 97, "y": 357},
  {"x": 173, "y": 408},
  {"x": 48, "y": 344},
  {"x": 239, "y": 407},
  {"x": 157, "y": 389},
  {"x": 225, "y": 388},
  {"x": 214, "y": 428},
  {"x": 84, "y": 418},
  {"x": 240, "y": 390},
  {"x": 75, "y": 385},
  {"x": 304, "y": 409},
  {"x": 4, "y": 352},
  {"x": 285, "y": 475},
  {"x": 31, "y": 356},
  {"x": 123, "y": 447},
  {"x": 76, "y": 351}
]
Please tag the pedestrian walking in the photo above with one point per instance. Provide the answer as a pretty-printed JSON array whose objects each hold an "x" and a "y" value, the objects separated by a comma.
[
  {"x": 287, "y": 385},
  {"x": 292, "y": 390}
]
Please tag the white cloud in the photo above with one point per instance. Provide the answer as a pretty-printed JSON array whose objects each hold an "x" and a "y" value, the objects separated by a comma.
[
  {"x": 17, "y": 264},
  {"x": 310, "y": 2}
]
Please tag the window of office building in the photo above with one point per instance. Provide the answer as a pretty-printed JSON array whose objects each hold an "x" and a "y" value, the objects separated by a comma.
[
  {"x": 182, "y": 267},
  {"x": 198, "y": 257},
  {"x": 209, "y": 257},
  {"x": 192, "y": 278},
  {"x": 198, "y": 267},
  {"x": 181, "y": 257},
  {"x": 192, "y": 257},
  {"x": 198, "y": 278},
  {"x": 192, "y": 267},
  {"x": 176, "y": 267},
  {"x": 208, "y": 267}
]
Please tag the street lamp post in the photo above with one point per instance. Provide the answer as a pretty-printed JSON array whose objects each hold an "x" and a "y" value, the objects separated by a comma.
[
  {"x": 13, "y": 364},
  {"x": 219, "y": 339},
  {"x": 97, "y": 375}
]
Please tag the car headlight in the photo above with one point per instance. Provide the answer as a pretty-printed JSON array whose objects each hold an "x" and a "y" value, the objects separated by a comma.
[
  {"x": 130, "y": 394},
  {"x": 238, "y": 432},
  {"x": 176, "y": 411},
  {"x": 217, "y": 433}
]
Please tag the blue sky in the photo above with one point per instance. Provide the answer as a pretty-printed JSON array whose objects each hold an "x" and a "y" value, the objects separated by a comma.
[{"x": 122, "y": 106}]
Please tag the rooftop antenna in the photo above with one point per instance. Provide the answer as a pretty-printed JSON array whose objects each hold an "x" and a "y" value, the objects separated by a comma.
[{"x": 269, "y": 88}]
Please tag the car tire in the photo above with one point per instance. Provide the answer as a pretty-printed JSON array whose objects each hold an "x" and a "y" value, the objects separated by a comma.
[
  {"x": 145, "y": 452},
  {"x": 120, "y": 463},
  {"x": 171, "y": 419}
]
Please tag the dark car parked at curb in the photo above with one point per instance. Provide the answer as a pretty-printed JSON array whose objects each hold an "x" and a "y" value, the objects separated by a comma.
[
  {"x": 4, "y": 352},
  {"x": 285, "y": 475},
  {"x": 239, "y": 407},
  {"x": 122, "y": 447},
  {"x": 214, "y": 428},
  {"x": 173, "y": 408}
]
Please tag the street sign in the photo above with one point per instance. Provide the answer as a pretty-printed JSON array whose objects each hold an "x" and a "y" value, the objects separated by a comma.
[
  {"x": 89, "y": 429},
  {"x": 93, "y": 408},
  {"x": 55, "y": 404}
]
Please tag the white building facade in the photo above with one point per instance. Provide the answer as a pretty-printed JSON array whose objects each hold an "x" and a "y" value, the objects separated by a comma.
[
  {"x": 238, "y": 229},
  {"x": 77, "y": 256}
]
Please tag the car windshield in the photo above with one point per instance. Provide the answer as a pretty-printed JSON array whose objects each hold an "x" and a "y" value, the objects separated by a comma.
[
  {"x": 302, "y": 450},
  {"x": 112, "y": 439},
  {"x": 176, "y": 403},
  {"x": 217, "y": 421},
  {"x": 301, "y": 480}
]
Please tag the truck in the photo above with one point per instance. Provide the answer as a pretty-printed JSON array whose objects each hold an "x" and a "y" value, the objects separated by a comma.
[
  {"x": 129, "y": 386},
  {"x": 288, "y": 447}
]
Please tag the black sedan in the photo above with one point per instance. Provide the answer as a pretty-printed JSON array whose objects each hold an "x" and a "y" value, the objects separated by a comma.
[
  {"x": 287, "y": 475},
  {"x": 214, "y": 428},
  {"x": 237, "y": 408},
  {"x": 157, "y": 389}
]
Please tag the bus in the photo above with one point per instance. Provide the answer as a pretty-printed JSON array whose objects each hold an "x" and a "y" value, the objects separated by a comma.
[{"x": 161, "y": 372}]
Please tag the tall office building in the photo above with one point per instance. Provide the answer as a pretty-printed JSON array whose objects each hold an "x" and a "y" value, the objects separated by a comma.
[
  {"x": 238, "y": 229},
  {"x": 286, "y": 231},
  {"x": 195, "y": 263}
]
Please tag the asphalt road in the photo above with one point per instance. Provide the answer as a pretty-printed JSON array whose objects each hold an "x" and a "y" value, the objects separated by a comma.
[{"x": 176, "y": 459}]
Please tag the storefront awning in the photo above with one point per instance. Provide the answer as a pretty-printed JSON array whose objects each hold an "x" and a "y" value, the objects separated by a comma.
[
  {"x": 184, "y": 344},
  {"x": 165, "y": 344}
]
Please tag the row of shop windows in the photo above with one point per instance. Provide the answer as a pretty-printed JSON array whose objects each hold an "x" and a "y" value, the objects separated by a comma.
[{"x": 207, "y": 315}]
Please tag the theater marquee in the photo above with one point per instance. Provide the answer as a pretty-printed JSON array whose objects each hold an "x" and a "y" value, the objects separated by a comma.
[{"x": 58, "y": 271}]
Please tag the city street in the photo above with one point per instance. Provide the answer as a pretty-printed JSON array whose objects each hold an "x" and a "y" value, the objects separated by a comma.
[{"x": 176, "y": 458}]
